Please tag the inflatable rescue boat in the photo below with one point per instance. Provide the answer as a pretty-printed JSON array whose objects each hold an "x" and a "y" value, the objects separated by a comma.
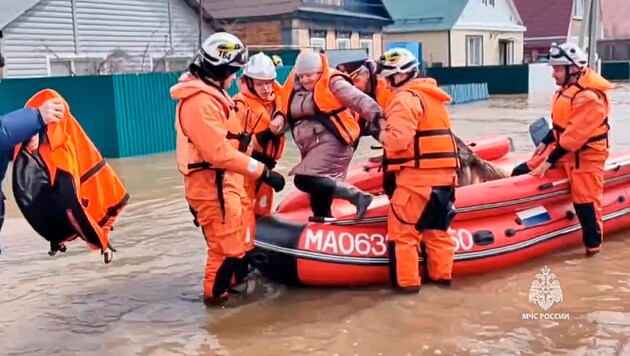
[{"x": 498, "y": 224}]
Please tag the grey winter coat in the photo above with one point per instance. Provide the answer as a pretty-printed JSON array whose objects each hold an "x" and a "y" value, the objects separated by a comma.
[{"x": 322, "y": 153}]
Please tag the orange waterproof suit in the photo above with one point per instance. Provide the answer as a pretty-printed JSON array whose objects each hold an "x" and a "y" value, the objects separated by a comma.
[
  {"x": 66, "y": 189},
  {"x": 382, "y": 94},
  {"x": 255, "y": 116},
  {"x": 421, "y": 151},
  {"x": 579, "y": 144},
  {"x": 208, "y": 156}
]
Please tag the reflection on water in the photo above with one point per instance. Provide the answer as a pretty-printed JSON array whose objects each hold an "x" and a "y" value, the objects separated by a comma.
[{"x": 146, "y": 301}]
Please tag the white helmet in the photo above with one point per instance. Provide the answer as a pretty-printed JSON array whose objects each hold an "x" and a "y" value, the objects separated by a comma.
[
  {"x": 397, "y": 60},
  {"x": 567, "y": 54},
  {"x": 221, "y": 55},
  {"x": 260, "y": 66}
]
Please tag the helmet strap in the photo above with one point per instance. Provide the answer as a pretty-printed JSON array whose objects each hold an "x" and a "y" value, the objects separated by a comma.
[
  {"x": 569, "y": 75},
  {"x": 411, "y": 75},
  {"x": 250, "y": 85}
]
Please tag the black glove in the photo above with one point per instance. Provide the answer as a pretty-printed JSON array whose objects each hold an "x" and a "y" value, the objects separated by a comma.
[
  {"x": 263, "y": 137},
  {"x": 376, "y": 126},
  {"x": 389, "y": 184},
  {"x": 273, "y": 179}
]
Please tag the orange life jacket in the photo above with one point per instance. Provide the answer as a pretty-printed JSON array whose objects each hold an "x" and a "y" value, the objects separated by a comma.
[
  {"x": 561, "y": 109},
  {"x": 66, "y": 189},
  {"x": 257, "y": 119},
  {"x": 342, "y": 122},
  {"x": 433, "y": 146},
  {"x": 189, "y": 159}
]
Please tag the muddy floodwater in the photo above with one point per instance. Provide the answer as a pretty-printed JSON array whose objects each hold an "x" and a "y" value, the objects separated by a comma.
[{"x": 145, "y": 301}]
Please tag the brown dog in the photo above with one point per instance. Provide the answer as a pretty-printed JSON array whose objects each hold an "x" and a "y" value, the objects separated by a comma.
[{"x": 475, "y": 170}]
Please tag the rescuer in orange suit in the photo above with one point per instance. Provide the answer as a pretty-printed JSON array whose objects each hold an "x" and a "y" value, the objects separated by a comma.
[
  {"x": 578, "y": 142},
  {"x": 420, "y": 165},
  {"x": 364, "y": 77},
  {"x": 209, "y": 154},
  {"x": 258, "y": 101}
]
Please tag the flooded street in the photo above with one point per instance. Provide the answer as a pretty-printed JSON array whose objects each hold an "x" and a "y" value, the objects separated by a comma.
[{"x": 146, "y": 301}]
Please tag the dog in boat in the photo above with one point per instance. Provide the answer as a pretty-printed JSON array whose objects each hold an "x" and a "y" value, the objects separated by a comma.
[{"x": 473, "y": 169}]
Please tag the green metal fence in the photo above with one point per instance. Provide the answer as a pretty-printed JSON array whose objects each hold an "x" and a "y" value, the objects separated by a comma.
[
  {"x": 132, "y": 114},
  {"x": 513, "y": 79},
  {"x": 91, "y": 100},
  {"x": 616, "y": 70}
]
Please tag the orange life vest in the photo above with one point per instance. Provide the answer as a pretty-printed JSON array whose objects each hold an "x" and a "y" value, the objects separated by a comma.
[
  {"x": 561, "y": 109},
  {"x": 433, "y": 146},
  {"x": 257, "y": 119},
  {"x": 342, "y": 122},
  {"x": 66, "y": 189},
  {"x": 189, "y": 159}
]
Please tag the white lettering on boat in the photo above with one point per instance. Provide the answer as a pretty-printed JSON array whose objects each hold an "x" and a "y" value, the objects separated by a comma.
[
  {"x": 369, "y": 245},
  {"x": 345, "y": 243},
  {"x": 462, "y": 239}
]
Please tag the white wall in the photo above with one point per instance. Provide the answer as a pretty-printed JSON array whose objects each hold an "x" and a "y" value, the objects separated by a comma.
[
  {"x": 60, "y": 37},
  {"x": 477, "y": 16},
  {"x": 541, "y": 82}
]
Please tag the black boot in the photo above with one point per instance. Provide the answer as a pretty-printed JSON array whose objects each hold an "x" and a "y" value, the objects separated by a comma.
[
  {"x": 591, "y": 233},
  {"x": 357, "y": 197}
]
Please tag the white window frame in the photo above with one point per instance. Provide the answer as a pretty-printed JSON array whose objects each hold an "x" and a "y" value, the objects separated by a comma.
[
  {"x": 72, "y": 58},
  {"x": 318, "y": 42},
  {"x": 578, "y": 9},
  {"x": 339, "y": 43},
  {"x": 168, "y": 60},
  {"x": 474, "y": 44},
  {"x": 369, "y": 44}
]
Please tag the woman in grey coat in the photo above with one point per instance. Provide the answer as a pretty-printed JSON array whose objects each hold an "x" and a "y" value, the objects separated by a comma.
[{"x": 325, "y": 158}]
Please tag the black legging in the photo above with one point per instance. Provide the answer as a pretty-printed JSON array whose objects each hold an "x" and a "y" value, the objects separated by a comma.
[{"x": 321, "y": 190}]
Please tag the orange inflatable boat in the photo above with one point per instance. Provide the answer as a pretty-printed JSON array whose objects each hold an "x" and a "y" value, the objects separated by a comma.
[{"x": 498, "y": 224}]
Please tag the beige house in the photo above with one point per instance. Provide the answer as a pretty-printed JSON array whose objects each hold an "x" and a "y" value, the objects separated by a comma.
[{"x": 457, "y": 33}]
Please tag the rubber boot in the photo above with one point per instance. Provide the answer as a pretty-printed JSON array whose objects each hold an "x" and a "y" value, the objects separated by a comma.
[
  {"x": 357, "y": 197},
  {"x": 591, "y": 233}
]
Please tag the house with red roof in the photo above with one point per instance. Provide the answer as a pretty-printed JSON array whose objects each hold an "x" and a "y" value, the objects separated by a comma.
[
  {"x": 550, "y": 21},
  {"x": 615, "y": 46}
]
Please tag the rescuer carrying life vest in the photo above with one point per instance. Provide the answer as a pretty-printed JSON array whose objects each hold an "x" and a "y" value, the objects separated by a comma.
[
  {"x": 420, "y": 163},
  {"x": 210, "y": 155},
  {"x": 578, "y": 141},
  {"x": 20, "y": 125}
]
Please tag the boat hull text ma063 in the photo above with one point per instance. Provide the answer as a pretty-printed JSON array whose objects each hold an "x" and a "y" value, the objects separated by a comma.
[{"x": 498, "y": 224}]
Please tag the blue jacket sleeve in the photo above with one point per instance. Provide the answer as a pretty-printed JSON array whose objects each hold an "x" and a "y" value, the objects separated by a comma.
[{"x": 18, "y": 126}]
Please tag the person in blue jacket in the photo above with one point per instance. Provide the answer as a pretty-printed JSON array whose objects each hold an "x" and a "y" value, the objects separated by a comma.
[{"x": 19, "y": 126}]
